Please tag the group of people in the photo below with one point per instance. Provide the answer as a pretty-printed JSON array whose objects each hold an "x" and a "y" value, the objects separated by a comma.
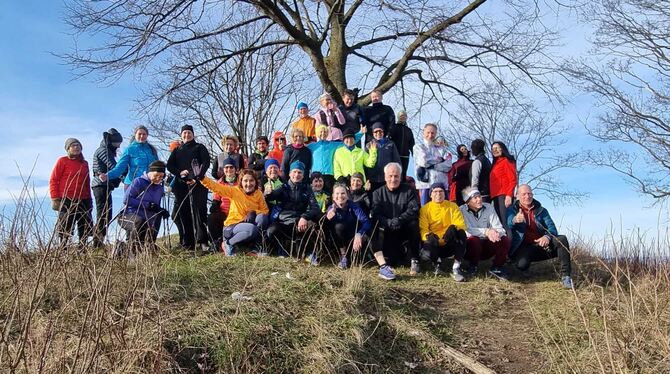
[{"x": 339, "y": 186}]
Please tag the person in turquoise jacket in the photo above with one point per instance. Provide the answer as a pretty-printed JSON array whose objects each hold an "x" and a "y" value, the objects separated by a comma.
[
  {"x": 323, "y": 154},
  {"x": 135, "y": 159}
]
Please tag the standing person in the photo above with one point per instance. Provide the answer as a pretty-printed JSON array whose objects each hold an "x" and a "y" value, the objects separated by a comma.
[
  {"x": 348, "y": 223},
  {"x": 323, "y": 154},
  {"x": 297, "y": 151},
  {"x": 296, "y": 212},
  {"x": 480, "y": 170},
  {"x": 486, "y": 235},
  {"x": 305, "y": 123},
  {"x": 534, "y": 235},
  {"x": 70, "y": 191},
  {"x": 258, "y": 157},
  {"x": 230, "y": 144},
  {"x": 220, "y": 207},
  {"x": 135, "y": 159},
  {"x": 141, "y": 217},
  {"x": 502, "y": 181},
  {"x": 330, "y": 115},
  {"x": 353, "y": 114},
  {"x": 386, "y": 153},
  {"x": 443, "y": 233},
  {"x": 248, "y": 215},
  {"x": 459, "y": 175},
  {"x": 104, "y": 160},
  {"x": 431, "y": 164},
  {"x": 349, "y": 159},
  {"x": 396, "y": 209},
  {"x": 378, "y": 112},
  {"x": 190, "y": 162},
  {"x": 403, "y": 138},
  {"x": 278, "y": 146}
]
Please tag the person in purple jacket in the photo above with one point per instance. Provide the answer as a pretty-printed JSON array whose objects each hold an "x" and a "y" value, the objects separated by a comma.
[
  {"x": 141, "y": 217},
  {"x": 348, "y": 223}
]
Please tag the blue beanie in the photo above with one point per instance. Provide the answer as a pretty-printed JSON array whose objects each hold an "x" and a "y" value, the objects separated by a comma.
[
  {"x": 229, "y": 161},
  {"x": 301, "y": 105},
  {"x": 269, "y": 162},
  {"x": 297, "y": 165}
]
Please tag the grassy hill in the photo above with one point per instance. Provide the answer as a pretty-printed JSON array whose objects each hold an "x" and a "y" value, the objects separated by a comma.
[{"x": 73, "y": 312}]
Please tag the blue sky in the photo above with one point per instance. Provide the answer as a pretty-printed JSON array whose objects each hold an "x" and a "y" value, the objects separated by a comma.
[{"x": 41, "y": 105}]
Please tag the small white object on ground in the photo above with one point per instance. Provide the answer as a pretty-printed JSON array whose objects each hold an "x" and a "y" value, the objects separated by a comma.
[{"x": 237, "y": 296}]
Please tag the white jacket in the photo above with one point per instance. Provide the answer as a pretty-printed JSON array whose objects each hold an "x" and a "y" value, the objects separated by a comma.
[{"x": 437, "y": 161}]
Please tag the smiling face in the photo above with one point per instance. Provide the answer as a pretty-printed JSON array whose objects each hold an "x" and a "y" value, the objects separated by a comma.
[
  {"x": 463, "y": 151},
  {"x": 437, "y": 195},
  {"x": 348, "y": 100},
  {"x": 74, "y": 149},
  {"x": 248, "y": 183},
  {"x": 475, "y": 203},
  {"x": 378, "y": 134},
  {"x": 281, "y": 141},
  {"x": 392, "y": 178},
  {"x": 496, "y": 150},
  {"x": 229, "y": 146},
  {"x": 229, "y": 171},
  {"x": 298, "y": 137},
  {"x": 272, "y": 172},
  {"x": 376, "y": 97},
  {"x": 317, "y": 184},
  {"x": 141, "y": 135},
  {"x": 262, "y": 146},
  {"x": 429, "y": 133},
  {"x": 349, "y": 141},
  {"x": 402, "y": 117},
  {"x": 356, "y": 184},
  {"x": 323, "y": 133},
  {"x": 186, "y": 136},
  {"x": 340, "y": 196},
  {"x": 525, "y": 196},
  {"x": 156, "y": 177},
  {"x": 296, "y": 175}
]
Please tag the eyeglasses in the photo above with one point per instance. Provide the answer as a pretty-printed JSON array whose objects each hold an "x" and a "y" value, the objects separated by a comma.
[{"x": 284, "y": 139}]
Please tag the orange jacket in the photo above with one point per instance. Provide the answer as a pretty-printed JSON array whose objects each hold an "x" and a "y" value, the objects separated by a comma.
[
  {"x": 276, "y": 153},
  {"x": 241, "y": 203},
  {"x": 70, "y": 179}
]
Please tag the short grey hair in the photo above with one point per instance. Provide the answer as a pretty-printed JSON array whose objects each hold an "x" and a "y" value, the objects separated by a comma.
[
  {"x": 325, "y": 96},
  {"x": 393, "y": 165}
]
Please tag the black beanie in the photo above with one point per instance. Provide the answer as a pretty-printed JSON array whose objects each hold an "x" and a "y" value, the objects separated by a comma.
[
  {"x": 113, "y": 136},
  {"x": 187, "y": 127},
  {"x": 158, "y": 166}
]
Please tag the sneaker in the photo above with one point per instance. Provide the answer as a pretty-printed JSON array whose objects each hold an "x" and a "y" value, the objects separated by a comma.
[
  {"x": 344, "y": 263},
  {"x": 438, "y": 269},
  {"x": 499, "y": 272},
  {"x": 385, "y": 272},
  {"x": 414, "y": 268},
  {"x": 456, "y": 274},
  {"x": 228, "y": 250},
  {"x": 566, "y": 281}
]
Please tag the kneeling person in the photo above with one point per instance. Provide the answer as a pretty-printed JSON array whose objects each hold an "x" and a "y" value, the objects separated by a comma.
[
  {"x": 534, "y": 235},
  {"x": 443, "y": 232},
  {"x": 348, "y": 222},
  {"x": 142, "y": 215},
  {"x": 486, "y": 234}
]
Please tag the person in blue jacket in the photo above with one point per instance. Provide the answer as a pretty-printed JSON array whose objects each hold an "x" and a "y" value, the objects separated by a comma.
[
  {"x": 323, "y": 154},
  {"x": 135, "y": 159},
  {"x": 348, "y": 223},
  {"x": 141, "y": 217}
]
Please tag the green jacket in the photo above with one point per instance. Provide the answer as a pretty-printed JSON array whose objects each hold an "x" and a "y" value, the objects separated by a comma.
[{"x": 347, "y": 161}]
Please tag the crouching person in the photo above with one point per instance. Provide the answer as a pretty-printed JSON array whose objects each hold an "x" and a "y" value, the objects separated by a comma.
[
  {"x": 396, "y": 208},
  {"x": 486, "y": 234},
  {"x": 141, "y": 217},
  {"x": 348, "y": 223},
  {"x": 296, "y": 211},
  {"x": 248, "y": 214},
  {"x": 70, "y": 190},
  {"x": 443, "y": 232},
  {"x": 534, "y": 235}
]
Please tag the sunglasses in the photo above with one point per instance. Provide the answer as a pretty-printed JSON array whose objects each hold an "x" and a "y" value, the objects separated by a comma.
[{"x": 281, "y": 139}]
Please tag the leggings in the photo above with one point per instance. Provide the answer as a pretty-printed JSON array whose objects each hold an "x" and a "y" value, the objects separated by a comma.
[{"x": 245, "y": 232}]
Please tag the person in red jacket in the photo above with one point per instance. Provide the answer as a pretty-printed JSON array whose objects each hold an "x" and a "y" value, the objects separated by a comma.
[
  {"x": 278, "y": 146},
  {"x": 70, "y": 190},
  {"x": 502, "y": 181}
]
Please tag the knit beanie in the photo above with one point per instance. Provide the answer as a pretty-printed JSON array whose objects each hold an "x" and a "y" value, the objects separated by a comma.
[
  {"x": 297, "y": 165},
  {"x": 437, "y": 185},
  {"x": 469, "y": 193},
  {"x": 70, "y": 141},
  {"x": 187, "y": 127},
  {"x": 269, "y": 162},
  {"x": 228, "y": 161},
  {"x": 301, "y": 105},
  {"x": 158, "y": 166}
]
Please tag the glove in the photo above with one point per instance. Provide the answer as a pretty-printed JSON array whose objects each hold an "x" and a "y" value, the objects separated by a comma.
[
  {"x": 164, "y": 213},
  {"x": 450, "y": 234},
  {"x": 55, "y": 204},
  {"x": 154, "y": 207},
  {"x": 215, "y": 207},
  {"x": 394, "y": 224},
  {"x": 251, "y": 217},
  {"x": 432, "y": 240}
]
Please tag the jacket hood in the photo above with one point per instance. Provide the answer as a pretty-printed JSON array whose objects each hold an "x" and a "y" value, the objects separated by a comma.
[{"x": 275, "y": 142}]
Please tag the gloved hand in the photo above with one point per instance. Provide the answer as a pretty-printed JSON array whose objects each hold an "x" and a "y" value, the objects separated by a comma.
[
  {"x": 432, "y": 240},
  {"x": 164, "y": 213},
  {"x": 215, "y": 207},
  {"x": 251, "y": 217},
  {"x": 55, "y": 204},
  {"x": 450, "y": 234},
  {"x": 394, "y": 224},
  {"x": 153, "y": 207}
]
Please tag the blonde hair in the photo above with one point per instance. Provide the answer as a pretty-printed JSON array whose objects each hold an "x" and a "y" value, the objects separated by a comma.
[{"x": 229, "y": 137}]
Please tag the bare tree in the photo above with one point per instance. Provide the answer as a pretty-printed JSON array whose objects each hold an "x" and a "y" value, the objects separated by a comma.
[
  {"x": 447, "y": 48},
  {"x": 532, "y": 136},
  {"x": 630, "y": 79}
]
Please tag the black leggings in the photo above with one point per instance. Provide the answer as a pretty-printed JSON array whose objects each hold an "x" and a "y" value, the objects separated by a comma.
[
  {"x": 71, "y": 212},
  {"x": 529, "y": 253},
  {"x": 103, "y": 210},
  {"x": 392, "y": 243},
  {"x": 454, "y": 246},
  {"x": 190, "y": 213}
]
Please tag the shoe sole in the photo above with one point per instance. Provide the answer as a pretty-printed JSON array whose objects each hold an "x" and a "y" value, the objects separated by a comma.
[
  {"x": 498, "y": 276},
  {"x": 385, "y": 277}
]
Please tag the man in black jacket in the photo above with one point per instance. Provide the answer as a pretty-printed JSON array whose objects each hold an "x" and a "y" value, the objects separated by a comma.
[
  {"x": 377, "y": 112},
  {"x": 257, "y": 158},
  {"x": 189, "y": 163},
  {"x": 480, "y": 169},
  {"x": 297, "y": 211},
  {"x": 353, "y": 114},
  {"x": 104, "y": 160},
  {"x": 386, "y": 153},
  {"x": 395, "y": 207},
  {"x": 403, "y": 138}
]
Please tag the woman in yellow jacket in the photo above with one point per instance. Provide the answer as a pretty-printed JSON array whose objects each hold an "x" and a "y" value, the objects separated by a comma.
[
  {"x": 248, "y": 215},
  {"x": 442, "y": 229},
  {"x": 350, "y": 159}
]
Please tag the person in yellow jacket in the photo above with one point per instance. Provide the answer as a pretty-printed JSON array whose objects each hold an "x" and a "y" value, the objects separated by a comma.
[
  {"x": 350, "y": 159},
  {"x": 248, "y": 215},
  {"x": 442, "y": 229}
]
